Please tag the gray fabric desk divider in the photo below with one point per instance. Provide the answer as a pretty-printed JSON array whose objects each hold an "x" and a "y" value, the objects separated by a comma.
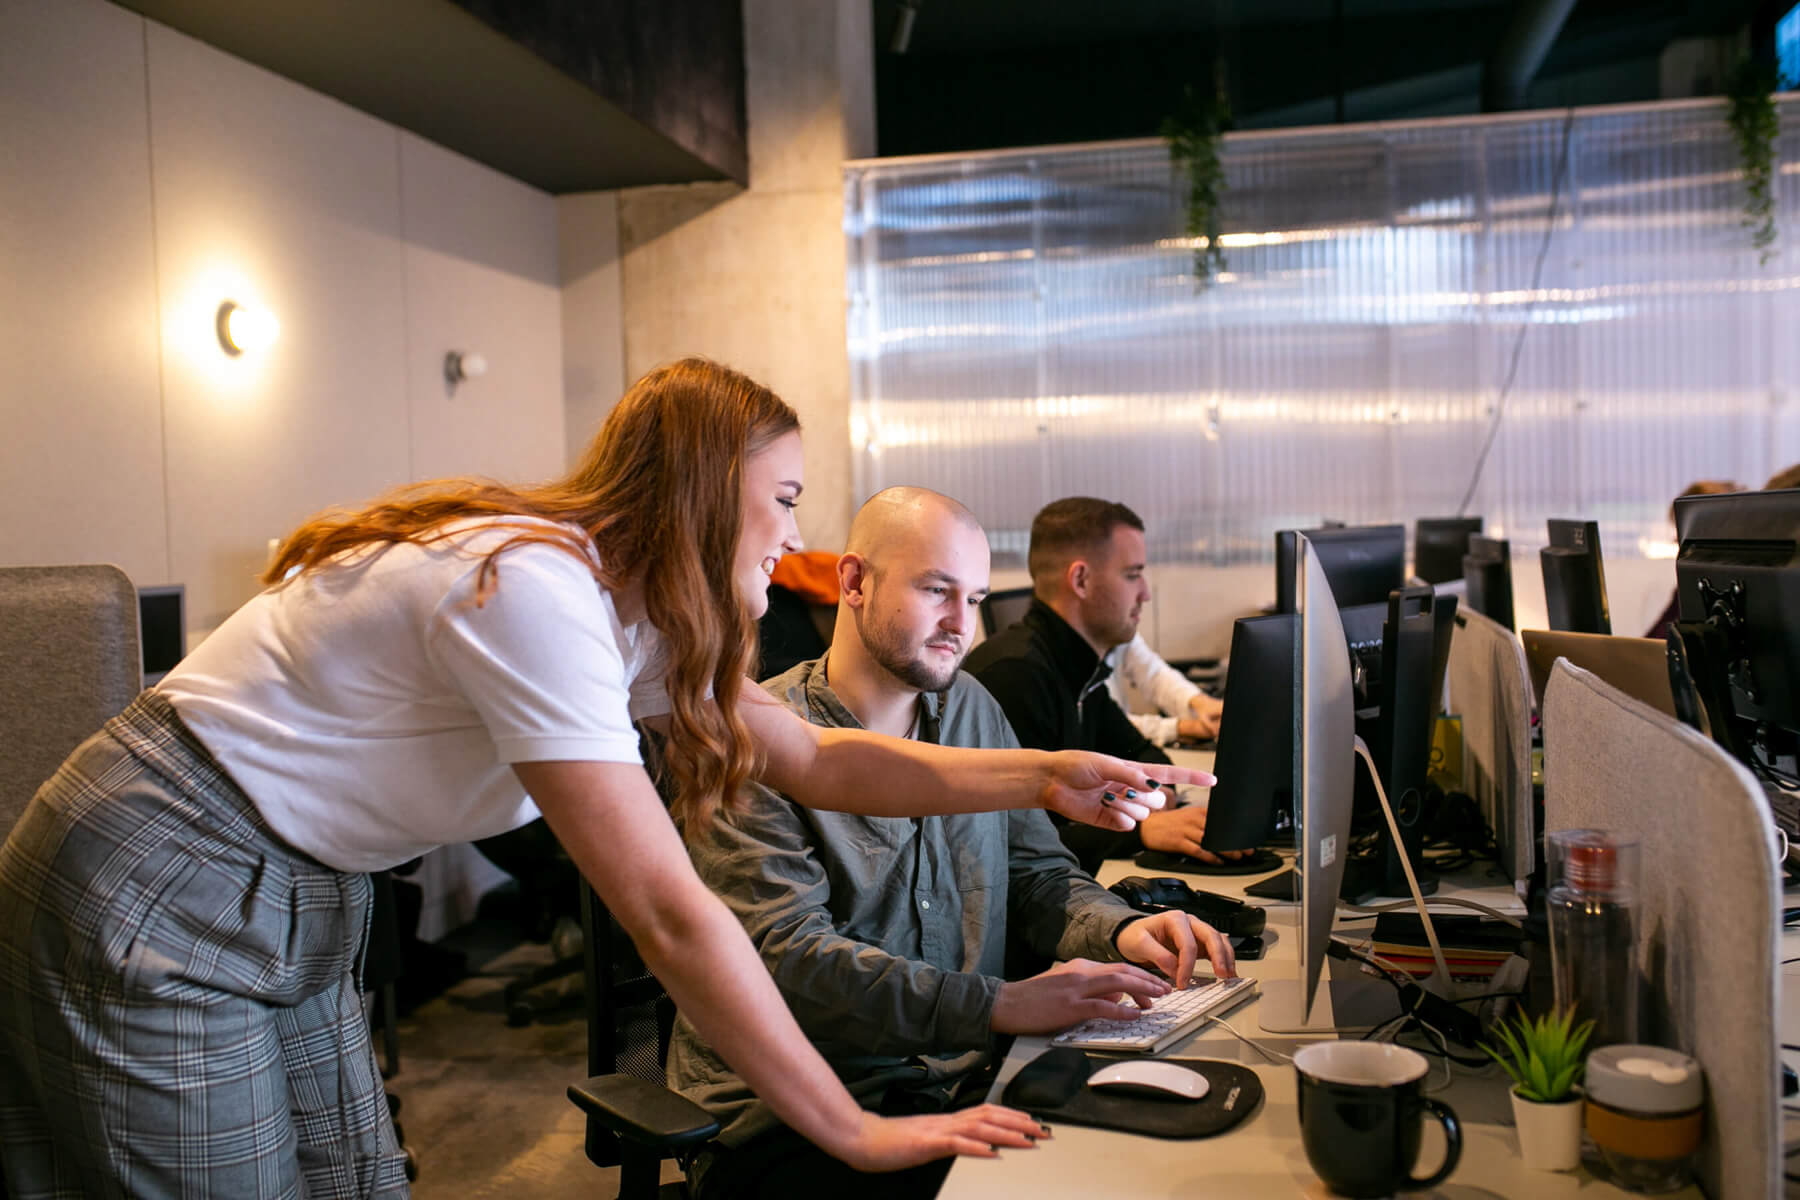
[
  {"x": 1709, "y": 923},
  {"x": 1490, "y": 689},
  {"x": 69, "y": 662}
]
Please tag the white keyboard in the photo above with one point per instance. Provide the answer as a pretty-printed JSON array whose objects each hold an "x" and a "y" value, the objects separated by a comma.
[{"x": 1168, "y": 1020}]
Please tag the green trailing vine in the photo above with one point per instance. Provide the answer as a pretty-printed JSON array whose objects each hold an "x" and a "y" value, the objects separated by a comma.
[
  {"x": 1749, "y": 91},
  {"x": 1194, "y": 135}
]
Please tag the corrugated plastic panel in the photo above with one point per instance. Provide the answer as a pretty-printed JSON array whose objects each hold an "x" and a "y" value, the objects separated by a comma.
[{"x": 1025, "y": 325}]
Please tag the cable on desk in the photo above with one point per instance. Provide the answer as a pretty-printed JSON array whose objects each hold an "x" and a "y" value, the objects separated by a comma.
[
  {"x": 1458, "y": 901},
  {"x": 1271, "y": 1055}
]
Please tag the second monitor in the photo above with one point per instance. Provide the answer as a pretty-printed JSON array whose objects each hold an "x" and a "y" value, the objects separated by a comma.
[
  {"x": 1574, "y": 579},
  {"x": 1361, "y": 563}
]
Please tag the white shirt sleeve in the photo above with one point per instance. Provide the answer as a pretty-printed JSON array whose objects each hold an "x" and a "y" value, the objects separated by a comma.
[
  {"x": 543, "y": 659},
  {"x": 1155, "y": 680}
]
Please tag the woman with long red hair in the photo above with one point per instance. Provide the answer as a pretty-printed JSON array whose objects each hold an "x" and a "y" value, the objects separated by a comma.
[{"x": 183, "y": 905}]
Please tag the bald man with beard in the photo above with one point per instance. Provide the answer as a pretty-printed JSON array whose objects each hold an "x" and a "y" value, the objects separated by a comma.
[{"x": 888, "y": 936}]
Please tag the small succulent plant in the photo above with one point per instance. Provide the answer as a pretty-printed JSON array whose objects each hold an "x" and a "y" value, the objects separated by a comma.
[{"x": 1544, "y": 1057}]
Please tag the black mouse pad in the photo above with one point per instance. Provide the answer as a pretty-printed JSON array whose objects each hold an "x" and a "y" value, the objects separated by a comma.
[
  {"x": 1259, "y": 862},
  {"x": 1053, "y": 1087}
]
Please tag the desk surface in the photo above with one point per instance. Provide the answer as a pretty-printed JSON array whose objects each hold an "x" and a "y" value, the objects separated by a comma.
[{"x": 1263, "y": 1156}]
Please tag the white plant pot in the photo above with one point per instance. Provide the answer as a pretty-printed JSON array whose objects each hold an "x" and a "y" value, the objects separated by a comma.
[{"x": 1549, "y": 1134}]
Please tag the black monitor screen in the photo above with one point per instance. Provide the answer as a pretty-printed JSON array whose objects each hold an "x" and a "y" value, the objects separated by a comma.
[
  {"x": 1255, "y": 763},
  {"x": 1574, "y": 578},
  {"x": 1362, "y": 563},
  {"x": 1439, "y": 544},
  {"x": 1738, "y": 573},
  {"x": 162, "y": 629},
  {"x": 1487, "y": 570}
]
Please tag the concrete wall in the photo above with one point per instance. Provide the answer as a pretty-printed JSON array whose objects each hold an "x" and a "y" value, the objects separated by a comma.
[
  {"x": 146, "y": 178},
  {"x": 755, "y": 277}
]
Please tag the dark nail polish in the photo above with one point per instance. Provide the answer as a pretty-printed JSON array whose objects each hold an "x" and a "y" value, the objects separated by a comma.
[
  {"x": 1152, "y": 783},
  {"x": 1131, "y": 793},
  {"x": 1107, "y": 798}
]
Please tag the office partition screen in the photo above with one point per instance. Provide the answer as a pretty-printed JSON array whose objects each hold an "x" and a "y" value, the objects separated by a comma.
[{"x": 1025, "y": 325}]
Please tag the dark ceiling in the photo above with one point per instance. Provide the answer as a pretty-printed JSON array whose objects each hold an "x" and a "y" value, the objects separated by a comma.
[
  {"x": 982, "y": 74},
  {"x": 568, "y": 95}
]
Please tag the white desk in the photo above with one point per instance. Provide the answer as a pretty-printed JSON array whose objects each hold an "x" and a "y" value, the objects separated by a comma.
[{"x": 1263, "y": 1156}]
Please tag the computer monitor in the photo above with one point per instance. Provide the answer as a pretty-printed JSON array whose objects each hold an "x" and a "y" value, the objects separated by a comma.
[
  {"x": 1574, "y": 581},
  {"x": 1439, "y": 544},
  {"x": 1487, "y": 578},
  {"x": 1361, "y": 563},
  {"x": 1735, "y": 653},
  {"x": 1415, "y": 651},
  {"x": 1323, "y": 720},
  {"x": 162, "y": 629},
  {"x": 1255, "y": 760}
]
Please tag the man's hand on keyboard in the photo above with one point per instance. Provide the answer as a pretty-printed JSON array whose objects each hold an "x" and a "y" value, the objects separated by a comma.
[
  {"x": 1173, "y": 941},
  {"x": 1075, "y": 991}
]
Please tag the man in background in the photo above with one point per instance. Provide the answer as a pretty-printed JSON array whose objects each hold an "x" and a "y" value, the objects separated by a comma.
[{"x": 1048, "y": 671}]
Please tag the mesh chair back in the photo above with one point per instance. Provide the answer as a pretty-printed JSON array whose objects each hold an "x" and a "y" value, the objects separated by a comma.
[
  {"x": 630, "y": 1018},
  {"x": 69, "y": 661},
  {"x": 1003, "y": 608}
]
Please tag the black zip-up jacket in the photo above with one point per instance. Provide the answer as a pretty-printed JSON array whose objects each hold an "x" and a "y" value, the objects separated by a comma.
[{"x": 1052, "y": 687}]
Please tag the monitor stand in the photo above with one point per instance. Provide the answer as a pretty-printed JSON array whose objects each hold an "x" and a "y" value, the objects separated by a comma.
[{"x": 1347, "y": 1001}]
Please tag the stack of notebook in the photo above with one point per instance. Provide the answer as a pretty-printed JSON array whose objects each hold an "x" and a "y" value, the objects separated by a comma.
[{"x": 1473, "y": 947}]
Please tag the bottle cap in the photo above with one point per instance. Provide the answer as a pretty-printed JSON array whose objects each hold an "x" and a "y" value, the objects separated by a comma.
[
  {"x": 1644, "y": 1079},
  {"x": 1594, "y": 862}
]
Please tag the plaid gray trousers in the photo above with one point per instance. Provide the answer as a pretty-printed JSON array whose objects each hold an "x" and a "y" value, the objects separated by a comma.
[{"x": 179, "y": 1007}]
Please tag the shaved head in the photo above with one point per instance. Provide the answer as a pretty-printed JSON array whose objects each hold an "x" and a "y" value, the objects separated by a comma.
[{"x": 896, "y": 519}]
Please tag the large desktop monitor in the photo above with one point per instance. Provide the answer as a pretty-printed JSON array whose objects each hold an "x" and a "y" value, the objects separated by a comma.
[
  {"x": 1735, "y": 652},
  {"x": 1487, "y": 576},
  {"x": 1574, "y": 579},
  {"x": 1360, "y": 563},
  {"x": 162, "y": 629},
  {"x": 1394, "y": 693},
  {"x": 1439, "y": 544},
  {"x": 1323, "y": 718}
]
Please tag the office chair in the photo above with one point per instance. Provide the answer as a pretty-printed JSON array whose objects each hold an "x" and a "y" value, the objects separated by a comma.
[
  {"x": 548, "y": 885},
  {"x": 69, "y": 662},
  {"x": 1003, "y": 608},
  {"x": 633, "y": 1120}
]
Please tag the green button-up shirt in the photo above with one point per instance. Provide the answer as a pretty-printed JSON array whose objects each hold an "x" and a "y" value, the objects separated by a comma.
[{"x": 887, "y": 936}]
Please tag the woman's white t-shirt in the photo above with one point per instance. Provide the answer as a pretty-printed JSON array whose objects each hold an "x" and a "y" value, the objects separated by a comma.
[{"x": 371, "y": 709}]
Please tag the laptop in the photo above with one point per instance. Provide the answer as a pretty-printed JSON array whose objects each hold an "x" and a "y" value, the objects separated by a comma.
[{"x": 1639, "y": 667}]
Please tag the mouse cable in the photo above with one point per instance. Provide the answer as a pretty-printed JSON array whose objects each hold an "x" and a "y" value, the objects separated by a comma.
[{"x": 1271, "y": 1055}]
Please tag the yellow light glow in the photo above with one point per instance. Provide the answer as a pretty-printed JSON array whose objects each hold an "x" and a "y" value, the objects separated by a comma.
[{"x": 246, "y": 330}]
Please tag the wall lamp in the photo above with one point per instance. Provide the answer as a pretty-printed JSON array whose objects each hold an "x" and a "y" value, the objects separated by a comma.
[
  {"x": 461, "y": 365},
  {"x": 245, "y": 330}
]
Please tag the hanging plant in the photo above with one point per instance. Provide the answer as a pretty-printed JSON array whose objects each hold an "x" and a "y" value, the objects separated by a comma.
[
  {"x": 1750, "y": 91},
  {"x": 1193, "y": 134}
]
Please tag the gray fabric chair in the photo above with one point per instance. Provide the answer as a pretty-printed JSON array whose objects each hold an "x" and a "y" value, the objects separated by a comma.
[{"x": 69, "y": 661}]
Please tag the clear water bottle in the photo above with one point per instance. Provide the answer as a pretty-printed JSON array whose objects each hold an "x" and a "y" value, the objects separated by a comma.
[{"x": 1593, "y": 878}]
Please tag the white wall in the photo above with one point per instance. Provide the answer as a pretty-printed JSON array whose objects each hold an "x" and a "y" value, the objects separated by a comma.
[{"x": 146, "y": 177}]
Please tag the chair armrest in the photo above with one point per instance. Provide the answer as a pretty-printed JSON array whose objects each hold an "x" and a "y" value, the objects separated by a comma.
[{"x": 644, "y": 1112}]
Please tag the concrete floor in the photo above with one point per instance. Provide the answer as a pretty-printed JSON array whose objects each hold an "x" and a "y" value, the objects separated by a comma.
[{"x": 483, "y": 1105}]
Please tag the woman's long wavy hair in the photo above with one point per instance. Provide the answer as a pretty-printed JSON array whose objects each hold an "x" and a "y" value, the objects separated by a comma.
[{"x": 660, "y": 490}]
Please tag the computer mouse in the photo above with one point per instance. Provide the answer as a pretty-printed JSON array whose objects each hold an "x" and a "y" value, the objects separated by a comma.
[{"x": 1149, "y": 1077}]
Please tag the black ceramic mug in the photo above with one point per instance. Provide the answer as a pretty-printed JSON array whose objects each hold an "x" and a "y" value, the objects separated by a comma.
[{"x": 1362, "y": 1112}]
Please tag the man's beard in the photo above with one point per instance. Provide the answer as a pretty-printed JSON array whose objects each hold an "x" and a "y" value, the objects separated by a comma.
[{"x": 909, "y": 667}]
